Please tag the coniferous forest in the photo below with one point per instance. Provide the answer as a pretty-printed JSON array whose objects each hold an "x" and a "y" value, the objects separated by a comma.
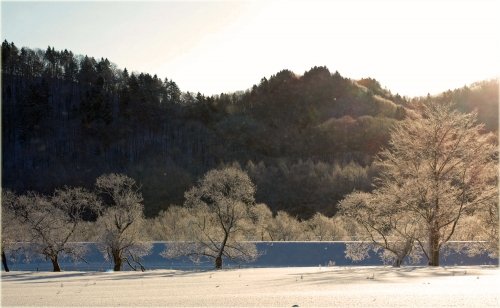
[{"x": 305, "y": 141}]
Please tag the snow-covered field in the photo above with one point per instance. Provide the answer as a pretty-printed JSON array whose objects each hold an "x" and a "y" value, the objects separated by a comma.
[{"x": 468, "y": 286}]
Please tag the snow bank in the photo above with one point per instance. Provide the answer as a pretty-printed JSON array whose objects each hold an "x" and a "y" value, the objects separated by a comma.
[{"x": 366, "y": 286}]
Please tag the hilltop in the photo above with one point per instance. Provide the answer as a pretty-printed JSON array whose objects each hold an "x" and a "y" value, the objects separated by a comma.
[{"x": 305, "y": 140}]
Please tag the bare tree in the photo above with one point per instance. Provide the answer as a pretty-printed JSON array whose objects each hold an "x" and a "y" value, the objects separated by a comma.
[
  {"x": 436, "y": 170},
  {"x": 52, "y": 222},
  {"x": 122, "y": 221},
  {"x": 219, "y": 207}
]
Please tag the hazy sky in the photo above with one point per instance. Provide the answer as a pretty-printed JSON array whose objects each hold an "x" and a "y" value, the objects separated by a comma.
[{"x": 411, "y": 47}]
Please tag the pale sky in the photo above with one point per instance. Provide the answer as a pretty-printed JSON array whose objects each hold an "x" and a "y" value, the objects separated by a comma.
[{"x": 410, "y": 47}]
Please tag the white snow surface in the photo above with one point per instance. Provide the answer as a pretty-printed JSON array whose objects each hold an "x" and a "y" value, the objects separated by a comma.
[{"x": 377, "y": 286}]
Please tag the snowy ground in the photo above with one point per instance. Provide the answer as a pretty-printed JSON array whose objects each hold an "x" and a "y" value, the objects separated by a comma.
[{"x": 470, "y": 286}]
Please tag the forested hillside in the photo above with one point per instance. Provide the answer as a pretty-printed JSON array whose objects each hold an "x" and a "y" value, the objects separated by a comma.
[
  {"x": 480, "y": 97},
  {"x": 305, "y": 141}
]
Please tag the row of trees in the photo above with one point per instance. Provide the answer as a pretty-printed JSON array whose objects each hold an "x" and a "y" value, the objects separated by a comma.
[
  {"x": 56, "y": 225},
  {"x": 218, "y": 219},
  {"x": 261, "y": 225}
]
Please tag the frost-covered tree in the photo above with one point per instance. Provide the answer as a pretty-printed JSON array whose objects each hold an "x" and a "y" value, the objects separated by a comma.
[
  {"x": 489, "y": 222},
  {"x": 322, "y": 228},
  {"x": 53, "y": 222},
  {"x": 122, "y": 221},
  {"x": 286, "y": 228},
  {"x": 121, "y": 237},
  {"x": 171, "y": 224},
  {"x": 360, "y": 250},
  {"x": 482, "y": 229},
  {"x": 384, "y": 223},
  {"x": 219, "y": 207},
  {"x": 436, "y": 170},
  {"x": 262, "y": 219},
  {"x": 12, "y": 229}
]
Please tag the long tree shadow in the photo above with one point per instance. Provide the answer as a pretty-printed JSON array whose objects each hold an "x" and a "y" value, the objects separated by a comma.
[
  {"x": 346, "y": 275},
  {"x": 37, "y": 277},
  {"x": 50, "y": 277}
]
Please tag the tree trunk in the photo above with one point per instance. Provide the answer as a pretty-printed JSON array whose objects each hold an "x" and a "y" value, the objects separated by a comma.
[
  {"x": 218, "y": 259},
  {"x": 55, "y": 264},
  {"x": 118, "y": 262},
  {"x": 218, "y": 262},
  {"x": 434, "y": 249},
  {"x": 398, "y": 262},
  {"x": 4, "y": 262}
]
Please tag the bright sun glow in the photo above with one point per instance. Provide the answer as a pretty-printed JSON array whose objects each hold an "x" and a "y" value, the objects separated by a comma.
[{"x": 411, "y": 47}]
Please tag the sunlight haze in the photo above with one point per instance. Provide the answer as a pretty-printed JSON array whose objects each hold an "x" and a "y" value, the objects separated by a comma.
[{"x": 411, "y": 47}]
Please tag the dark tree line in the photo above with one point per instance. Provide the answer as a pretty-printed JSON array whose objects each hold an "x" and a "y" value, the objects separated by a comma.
[{"x": 66, "y": 119}]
